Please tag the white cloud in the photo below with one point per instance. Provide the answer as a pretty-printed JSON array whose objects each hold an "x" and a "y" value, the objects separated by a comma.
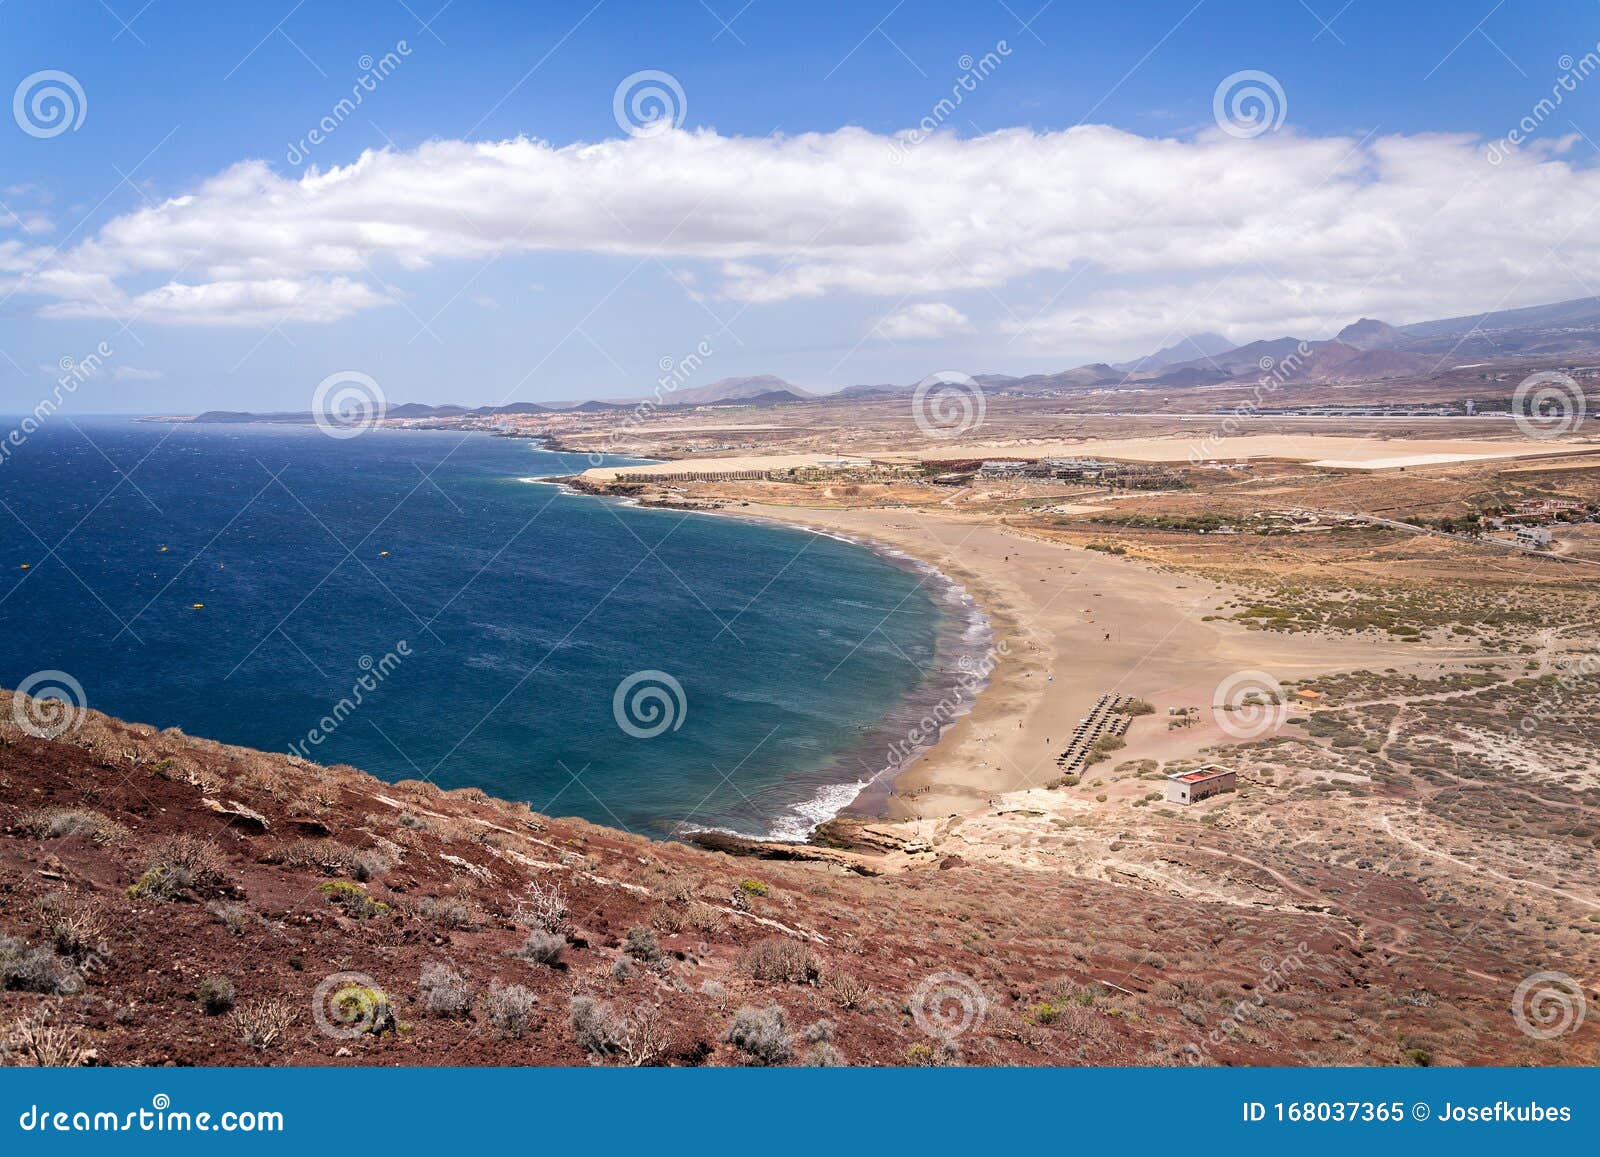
[
  {"x": 30, "y": 222},
  {"x": 1148, "y": 236},
  {"x": 928, "y": 319},
  {"x": 263, "y": 302}
]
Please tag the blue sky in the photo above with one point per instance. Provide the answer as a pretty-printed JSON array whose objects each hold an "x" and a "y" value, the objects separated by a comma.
[{"x": 512, "y": 300}]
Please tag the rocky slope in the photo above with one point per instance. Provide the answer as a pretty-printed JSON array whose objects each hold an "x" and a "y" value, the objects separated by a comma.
[{"x": 169, "y": 900}]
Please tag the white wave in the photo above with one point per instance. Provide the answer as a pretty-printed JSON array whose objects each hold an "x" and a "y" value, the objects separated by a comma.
[{"x": 804, "y": 817}]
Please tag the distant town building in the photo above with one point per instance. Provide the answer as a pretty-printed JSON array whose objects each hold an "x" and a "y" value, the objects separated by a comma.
[
  {"x": 1188, "y": 787},
  {"x": 1547, "y": 508},
  {"x": 696, "y": 476},
  {"x": 1533, "y": 537}
]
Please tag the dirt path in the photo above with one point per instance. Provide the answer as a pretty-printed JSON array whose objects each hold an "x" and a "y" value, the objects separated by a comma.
[{"x": 1478, "y": 869}]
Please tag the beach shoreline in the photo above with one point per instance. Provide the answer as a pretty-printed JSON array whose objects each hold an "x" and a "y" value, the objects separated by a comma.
[
  {"x": 963, "y": 669},
  {"x": 1068, "y": 626}
]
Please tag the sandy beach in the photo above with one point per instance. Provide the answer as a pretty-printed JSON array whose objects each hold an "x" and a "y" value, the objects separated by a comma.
[{"x": 1076, "y": 624}]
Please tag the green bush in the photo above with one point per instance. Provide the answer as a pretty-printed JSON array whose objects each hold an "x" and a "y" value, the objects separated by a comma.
[
  {"x": 353, "y": 899},
  {"x": 641, "y": 944},
  {"x": 215, "y": 995}
]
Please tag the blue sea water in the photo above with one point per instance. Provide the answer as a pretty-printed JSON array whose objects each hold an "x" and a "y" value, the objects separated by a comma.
[{"x": 492, "y": 616}]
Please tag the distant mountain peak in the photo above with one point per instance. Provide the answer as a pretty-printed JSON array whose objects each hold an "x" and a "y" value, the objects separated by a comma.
[
  {"x": 1195, "y": 347},
  {"x": 1370, "y": 334},
  {"x": 751, "y": 387}
]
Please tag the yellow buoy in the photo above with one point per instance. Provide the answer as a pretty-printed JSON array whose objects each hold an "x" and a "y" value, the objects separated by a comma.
[
  {"x": 197, "y": 606},
  {"x": 26, "y": 566},
  {"x": 383, "y": 554},
  {"x": 165, "y": 549}
]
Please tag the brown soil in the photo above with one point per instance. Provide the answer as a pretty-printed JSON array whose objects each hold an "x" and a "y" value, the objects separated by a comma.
[{"x": 1054, "y": 968}]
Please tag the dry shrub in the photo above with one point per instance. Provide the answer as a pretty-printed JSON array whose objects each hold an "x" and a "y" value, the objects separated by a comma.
[
  {"x": 177, "y": 864},
  {"x": 642, "y": 945},
  {"x": 780, "y": 959},
  {"x": 77, "y": 926},
  {"x": 353, "y": 898},
  {"x": 822, "y": 1054},
  {"x": 639, "y": 1038},
  {"x": 236, "y": 918},
  {"x": 450, "y": 912},
  {"x": 680, "y": 889},
  {"x": 60, "y": 822},
  {"x": 1086, "y": 1026},
  {"x": 445, "y": 991},
  {"x": 544, "y": 907},
  {"x": 332, "y": 858},
  {"x": 848, "y": 990},
  {"x": 33, "y": 1041},
  {"x": 215, "y": 994},
  {"x": 209, "y": 782},
  {"x": 542, "y": 947},
  {"x": 667, "y": 920},
  {"x": 261, "y": 1024},
  {"x": 24, "y": 969},
  {"x": 707, "y": 918},
  {"x": 410, "y": 822},
  {"x": 762, "y": 1034},
  {"x": 509, "y": 1008}
]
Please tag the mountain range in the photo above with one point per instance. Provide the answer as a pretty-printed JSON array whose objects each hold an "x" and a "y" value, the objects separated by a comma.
[{"x": 1364, "y": 350}]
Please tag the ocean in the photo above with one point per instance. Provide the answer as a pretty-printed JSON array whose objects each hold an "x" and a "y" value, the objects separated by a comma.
[{"x": 421, "y": 605}]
